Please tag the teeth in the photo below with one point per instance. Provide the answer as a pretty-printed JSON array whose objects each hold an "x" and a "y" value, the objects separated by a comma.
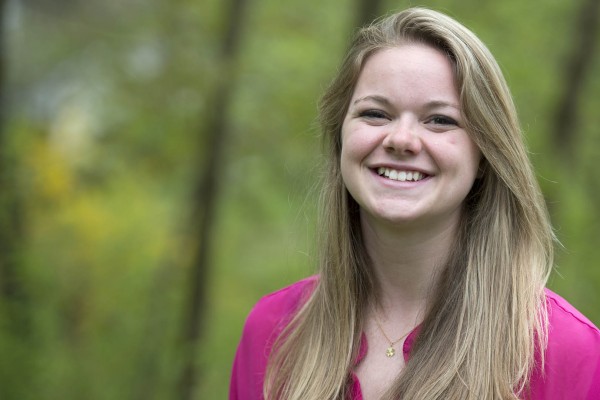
[{"x": 401, "y": 176}]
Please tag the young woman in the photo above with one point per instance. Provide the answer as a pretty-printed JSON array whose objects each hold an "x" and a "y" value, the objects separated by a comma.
[{"x": 436, "y": 243}]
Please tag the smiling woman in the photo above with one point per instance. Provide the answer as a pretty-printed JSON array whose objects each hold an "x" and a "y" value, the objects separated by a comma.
[{"x": 436, "y": 242}]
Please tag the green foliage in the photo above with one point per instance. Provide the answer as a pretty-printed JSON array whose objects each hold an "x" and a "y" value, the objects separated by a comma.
[{"x": 106, "y": 116}]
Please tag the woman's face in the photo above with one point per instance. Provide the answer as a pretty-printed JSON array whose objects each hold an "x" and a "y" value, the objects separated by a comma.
[{"x": 406, "y": 157}]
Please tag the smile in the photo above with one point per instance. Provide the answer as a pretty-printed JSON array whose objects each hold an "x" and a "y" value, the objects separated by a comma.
[{"x": 402, "y": 176}]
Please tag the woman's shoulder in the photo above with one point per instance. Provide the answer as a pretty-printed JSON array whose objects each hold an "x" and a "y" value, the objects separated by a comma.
[
  {"x": 275, "y": 308},
  {"x": 559, "y": 303},
  {"x": 566, "y": 323},
  {"x": 264, "y": 323},
  {"x": 572, "y": 357}
]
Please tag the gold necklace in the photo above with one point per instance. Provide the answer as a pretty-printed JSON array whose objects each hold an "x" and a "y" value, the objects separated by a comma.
[{"x": 390, "y": 352}]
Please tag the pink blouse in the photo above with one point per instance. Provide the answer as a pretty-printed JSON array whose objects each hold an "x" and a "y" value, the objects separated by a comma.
[{"x": 572, "y": 368}]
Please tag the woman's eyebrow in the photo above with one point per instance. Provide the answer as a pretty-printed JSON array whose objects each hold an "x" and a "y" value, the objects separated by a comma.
[
  {"x": 441, "y": 103},
  {"x": 429, "y": 105},
  {"x": 375, "y": 98}
]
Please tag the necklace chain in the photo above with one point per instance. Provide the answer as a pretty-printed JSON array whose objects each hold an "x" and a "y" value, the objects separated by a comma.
[{"x": 390, "y": 351}]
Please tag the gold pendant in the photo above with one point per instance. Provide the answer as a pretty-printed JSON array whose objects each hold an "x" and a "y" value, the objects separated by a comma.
[{"x": 390, "y": 352}]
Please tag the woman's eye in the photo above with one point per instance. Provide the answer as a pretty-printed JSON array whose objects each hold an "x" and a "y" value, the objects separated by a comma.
[
  {"x": 373, "y": 114},
  {"x": 442, "y": 120}
]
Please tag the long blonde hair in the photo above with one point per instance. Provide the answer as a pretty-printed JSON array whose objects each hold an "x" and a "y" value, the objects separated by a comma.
[{"x": 487, "y": 320}]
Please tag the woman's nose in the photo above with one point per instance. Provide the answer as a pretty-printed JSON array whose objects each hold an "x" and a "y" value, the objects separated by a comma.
[{"x": 403, "y": 138}]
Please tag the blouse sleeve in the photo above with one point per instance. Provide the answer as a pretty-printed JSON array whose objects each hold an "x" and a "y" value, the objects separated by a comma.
[
  {"x": 264, "y": 323},
  {"x": 250, "y": 361}
]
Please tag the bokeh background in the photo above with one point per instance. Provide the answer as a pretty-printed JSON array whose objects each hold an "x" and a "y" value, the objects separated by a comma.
[{"x": 159, "y": 162}]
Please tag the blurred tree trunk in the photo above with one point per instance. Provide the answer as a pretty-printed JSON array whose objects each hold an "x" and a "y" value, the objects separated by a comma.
[
  {"x": 11, "y": 287},
  {"x": 17, "y": 349},
  {"x": 576, "y": 69},
  {"x": 206, "y": 192},
  {"x": 368, "y": 10}
]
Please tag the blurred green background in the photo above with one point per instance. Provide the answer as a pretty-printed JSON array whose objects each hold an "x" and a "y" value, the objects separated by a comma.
[{"x": 111, "y": 113}]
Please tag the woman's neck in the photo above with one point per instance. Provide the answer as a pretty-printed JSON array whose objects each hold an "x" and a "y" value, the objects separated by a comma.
[{"x": 407, "y": 262}]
